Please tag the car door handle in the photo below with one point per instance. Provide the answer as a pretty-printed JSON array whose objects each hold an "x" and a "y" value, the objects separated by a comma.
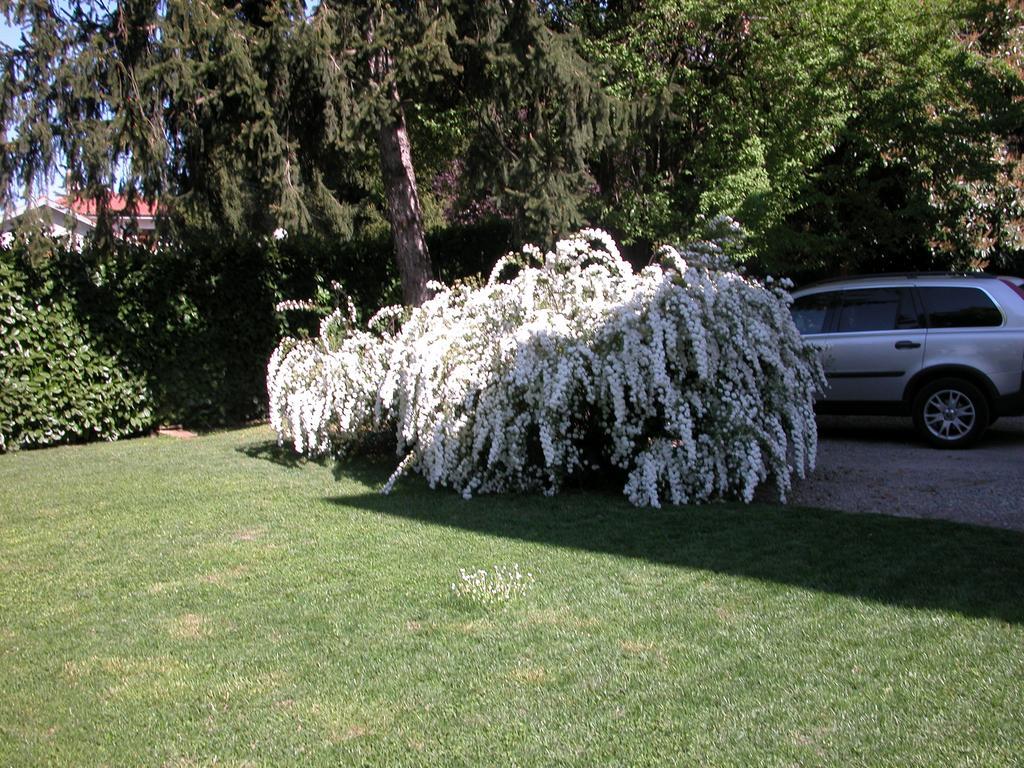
[{"x": 907, "y": 345}]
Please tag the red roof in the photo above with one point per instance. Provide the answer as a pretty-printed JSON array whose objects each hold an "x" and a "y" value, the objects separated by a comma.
[{"x": 115, "y": 203}]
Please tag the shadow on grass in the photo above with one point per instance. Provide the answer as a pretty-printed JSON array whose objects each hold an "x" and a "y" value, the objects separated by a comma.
[
  {"x": 913, "y": 563},
  {"x": 269, "y": 450},
  {"x": 372, "y": 469}
]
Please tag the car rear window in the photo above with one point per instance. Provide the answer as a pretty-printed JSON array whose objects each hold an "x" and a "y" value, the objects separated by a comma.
[
  {"x": 960, "y": 308},
  {"x": 877, "y": 309},
  {"x": 810, "y": 313}
]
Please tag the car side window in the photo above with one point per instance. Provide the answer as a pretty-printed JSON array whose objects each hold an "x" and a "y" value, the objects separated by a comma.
[
  {"x": 811, "y": 313},
  {"x": 877, "y": 309},
  {"x": 960, "y": 308}
]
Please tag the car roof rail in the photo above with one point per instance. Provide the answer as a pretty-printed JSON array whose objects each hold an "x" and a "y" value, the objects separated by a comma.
[{"x": 907, "y": 275}]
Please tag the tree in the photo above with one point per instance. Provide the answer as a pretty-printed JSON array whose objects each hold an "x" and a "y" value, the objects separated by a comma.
[
  {"x": 844, "y": 134},
  {"x": 256, "y": 114}
]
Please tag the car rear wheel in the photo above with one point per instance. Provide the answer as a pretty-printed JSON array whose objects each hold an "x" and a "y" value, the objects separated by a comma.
[{"x": 951, "y": 413}]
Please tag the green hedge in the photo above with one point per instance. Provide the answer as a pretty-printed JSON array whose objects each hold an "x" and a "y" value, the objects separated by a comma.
[
  {"x": 127, "y": 337},
  {"x": 59, "y": 381}
]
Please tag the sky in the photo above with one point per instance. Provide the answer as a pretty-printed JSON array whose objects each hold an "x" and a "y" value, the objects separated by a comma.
[{"x": 8, "y": 34}]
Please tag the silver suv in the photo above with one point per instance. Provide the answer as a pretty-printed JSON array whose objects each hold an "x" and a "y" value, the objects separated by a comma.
[{"x": 946, "y": 349}]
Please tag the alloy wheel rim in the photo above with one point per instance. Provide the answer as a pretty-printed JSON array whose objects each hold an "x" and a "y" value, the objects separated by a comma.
[{"x": 949, "y": 414}]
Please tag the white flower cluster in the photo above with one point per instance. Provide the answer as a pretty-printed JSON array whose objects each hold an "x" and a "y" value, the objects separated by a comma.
[
  {"x": 323, "y": 391},
  {"x": 501, "y": 585},
  {"x": 690, "y": 379},
  {"x": 294, "y": 305}
]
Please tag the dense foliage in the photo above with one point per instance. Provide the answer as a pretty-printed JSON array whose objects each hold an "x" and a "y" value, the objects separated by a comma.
[
  {"x": 687, "y": 377},
  {"x": 263, "y": 114},
  {"x": 192, "y": 323},
  {"x": 60, "y": 381},
  {"x": 844, "y": 134}
]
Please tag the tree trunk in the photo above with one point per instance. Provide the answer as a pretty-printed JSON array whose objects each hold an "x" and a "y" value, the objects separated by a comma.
[
  {"x": 399, "y": 177},
  {"x": 411, "y": 253}
]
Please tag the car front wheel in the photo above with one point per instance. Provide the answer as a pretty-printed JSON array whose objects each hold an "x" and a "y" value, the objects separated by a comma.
[{"x": 950, "y": 413}]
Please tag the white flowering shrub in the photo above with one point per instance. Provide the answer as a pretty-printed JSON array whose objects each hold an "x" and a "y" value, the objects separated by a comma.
[
  {"x": 323, "y": 391},
  {"x": 495, "y": 587},
  {"x": 688, "y": 377}
]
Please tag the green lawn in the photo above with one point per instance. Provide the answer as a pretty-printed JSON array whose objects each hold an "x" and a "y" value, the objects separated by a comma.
[{"x": 214, "y": 602}]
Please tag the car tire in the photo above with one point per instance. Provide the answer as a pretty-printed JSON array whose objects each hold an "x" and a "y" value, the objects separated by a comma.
[{"x": 950, "y": 413}]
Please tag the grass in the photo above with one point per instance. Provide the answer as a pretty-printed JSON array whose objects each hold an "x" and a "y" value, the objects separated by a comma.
[{"x": 215, "y": 602}]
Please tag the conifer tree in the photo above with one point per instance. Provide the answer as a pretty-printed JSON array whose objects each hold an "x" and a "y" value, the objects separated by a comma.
[{"x": 256, "y": 114}]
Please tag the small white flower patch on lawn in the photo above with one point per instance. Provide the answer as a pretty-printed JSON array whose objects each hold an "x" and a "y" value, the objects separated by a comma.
[{"x": 496, "y": 587}]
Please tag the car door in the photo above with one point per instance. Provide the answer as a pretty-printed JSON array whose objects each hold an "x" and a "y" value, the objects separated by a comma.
[
  {"x": 874, "y": 345},
  {"x": 967, "y": 328}
]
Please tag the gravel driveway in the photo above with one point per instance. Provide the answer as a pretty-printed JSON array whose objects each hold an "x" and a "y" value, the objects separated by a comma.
[{"x": 868, "y": 464}]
